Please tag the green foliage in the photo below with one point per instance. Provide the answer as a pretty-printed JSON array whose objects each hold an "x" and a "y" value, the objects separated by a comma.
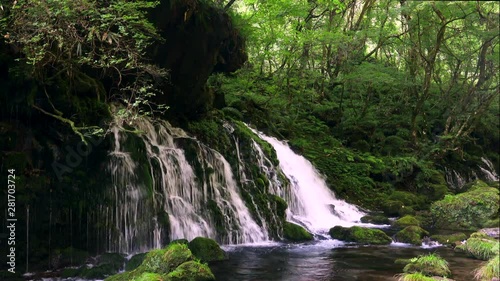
[
  {"x": 377, "y": 219},
  {"x": 489, "y": 271},
  {"x": 296, "y": 233},
  {"x": 429, "y": 265},
  {"x": 135, "y": 261},
  {"x": 469, "y": 210},
  {"x": 149, "y": 277},
  {"x": 360, "y": 235},
  {"x": 480, "y": 248},
  {"x": 415, "y": 277}
]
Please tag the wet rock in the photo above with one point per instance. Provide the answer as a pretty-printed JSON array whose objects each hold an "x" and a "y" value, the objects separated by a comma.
[
  {"x": 360, "y": 235},
  {"x": 206, "y": 249},
  {"x": 296, "y": 233},
  {"x": 492, "y": 232}
]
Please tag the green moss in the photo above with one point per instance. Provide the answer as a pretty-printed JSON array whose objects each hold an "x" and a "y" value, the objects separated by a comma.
[
  {"x": 115, "y": 260},
  {"x": 191, "y": 271},
  {"x": 360, "y": 235},
  {"x": 146, "y": 276},
  {"x": 411, "y": 234},
  {"x": 489, "y": 270},
  {"x": 406, "y": 221},
  {"x": 392, "y": 208},
  {"x": 377, "y": 219},
  {"x": 450, "y": 239},
  {"x": 280, "y": 205},
  {"x": 296, "y": 233},
  {"x": 206, "y": 249},
  {"x": 135, "y": 261},
  {"x": 408, "y": 198},
  {"x": 165, "y": 260},
  {"x": 98, "y": 272},
  {"x": 179, "y": 241},
  {"x": 470, "y": 210}
]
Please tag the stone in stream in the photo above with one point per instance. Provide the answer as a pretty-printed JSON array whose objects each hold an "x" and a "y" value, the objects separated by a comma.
[{"x": 492, "y": 232}]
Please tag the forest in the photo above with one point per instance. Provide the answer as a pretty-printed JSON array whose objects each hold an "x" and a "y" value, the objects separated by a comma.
[{"x": 129, "y": 127}]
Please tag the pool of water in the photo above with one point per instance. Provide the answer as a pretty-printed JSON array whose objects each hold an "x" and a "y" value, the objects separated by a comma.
[{"x": 329, "y": 260}]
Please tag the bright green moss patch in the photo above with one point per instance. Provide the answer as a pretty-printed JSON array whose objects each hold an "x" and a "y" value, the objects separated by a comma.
[
  {"x": 191, "y": 271},
  {"x": 480, "y": 248},
  {"x": 450, "y": 239},
  {"x": 297, "y": 233},
  {"x": 406, "y": 221},
  {"x": 415, "y": 277},
  {"x": 489, "y": 270}
]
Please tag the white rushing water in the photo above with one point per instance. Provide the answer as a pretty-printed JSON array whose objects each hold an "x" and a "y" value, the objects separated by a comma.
[
  {"x": 488, "y": 170},
  {"x": 174, "y": 191},
  {"x": 310, "y": 201}
]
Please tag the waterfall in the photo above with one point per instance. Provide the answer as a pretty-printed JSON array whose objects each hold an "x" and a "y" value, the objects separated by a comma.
[
  {"x": 488, "y": 170},
  {"x": 194, "y": 196},
  {"x": 310, "y": 202}
]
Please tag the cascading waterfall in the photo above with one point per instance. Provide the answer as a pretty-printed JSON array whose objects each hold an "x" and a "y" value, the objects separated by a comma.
[
  {"x": 176, "y": 190},
  {"x": 310, "y": 201},
  {"x": 488, "y": 170}
]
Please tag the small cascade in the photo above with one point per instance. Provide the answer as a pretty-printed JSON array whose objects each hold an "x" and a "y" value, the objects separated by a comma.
[
  {"x": 454, "y": 179},
  {"x": 488, "y": 170},
  {"x": 310, "y": 202}
]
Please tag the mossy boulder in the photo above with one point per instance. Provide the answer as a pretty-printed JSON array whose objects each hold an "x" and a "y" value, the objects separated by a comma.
[
  {"x": 480, "y": 246},
  {"x": 115, "y": 260},
  {"x": 146, "y": 276},
  {"x": 428, "y": 265},
  {"x": 392, "y": 208},
  {"x": 360, "y": 235},
  {"x": 411, "y": 234},
  {"x": 296, "y": 233},
  {"x": 406, "y": 221},
  {"x": 408, "y": 199},
  {"x": 375, "y": 219},
  {"x": 134, "y": 261},
  {"x": 450, "y": 239},
  {"x": 473, "y": 209},
  {"x": 191, "y": 271},
  {"x": 98, "y": 272},
  {"x": 206, "y": 249}
]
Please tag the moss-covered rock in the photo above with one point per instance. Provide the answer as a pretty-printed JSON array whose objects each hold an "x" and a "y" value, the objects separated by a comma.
[
  {"x": 296, "y": 233},
  {"x": 412, "y": 235},
  {"x": 206, "y": 249},
  {"x": 115, "y": 260},
  {"x": 406, "y": 221},
  {"x": 375, "y": 219},
  {"x": 134, "y": 261},
  {"x": 429, "y": 265},
  {"x": 146, "y": 276},
  {"x": 392, "y": 208},
  {"x": 98, "y": 272},
  {"x": 450, "y": 239},
  {"x": 360, "y": 235},
  {"x": 179, "y": 241},
  {"x": 416, "y": 277},
  {"x": 191, "y": 271},
  {"x": 469, "y": 210},
  {"x": 480, "y": 246}
]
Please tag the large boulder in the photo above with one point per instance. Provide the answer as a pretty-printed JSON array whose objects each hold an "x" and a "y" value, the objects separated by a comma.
[
  {"x": 406, "y": 221},
  {"x": 206, "y": 249},
  {"x": 473, "y": 209},
  {"x": 360, "y": 235},
  {"x": 411, "y": 234},
  {"x": 450, "y": 239},
  {"x": 296, "y": 233}
]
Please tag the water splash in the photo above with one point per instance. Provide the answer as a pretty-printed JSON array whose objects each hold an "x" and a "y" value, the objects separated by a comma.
[{"x": 488, "y": 170}]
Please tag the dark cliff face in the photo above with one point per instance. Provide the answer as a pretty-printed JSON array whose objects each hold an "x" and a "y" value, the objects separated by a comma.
[{"x": 200, "y": 39}]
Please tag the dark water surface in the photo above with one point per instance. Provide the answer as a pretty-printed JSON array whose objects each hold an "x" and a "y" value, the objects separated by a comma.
[{"x": 329, "y": 260}]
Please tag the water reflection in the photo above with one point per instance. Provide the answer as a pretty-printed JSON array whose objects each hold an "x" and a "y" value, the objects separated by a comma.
[{"x": 329, "y": 260}]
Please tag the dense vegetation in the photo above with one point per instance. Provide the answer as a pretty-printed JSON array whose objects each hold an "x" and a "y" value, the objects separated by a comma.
[
  {"x": 389, "y": 100},
  {"x": 380, "y": 95}
]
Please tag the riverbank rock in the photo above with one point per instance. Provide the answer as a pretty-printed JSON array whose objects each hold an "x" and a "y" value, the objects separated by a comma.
[
  {"x": 450, "y": 239},
  {"x": 411, "y": 234},
  {"x": 375, "y": 219},
  {"x": 206, "y": 249},
  {"x": 360, "y": 235},
  {"x": 492, "y": 232},
  {"x": 473, "y": 209},
  {"x": 406, "y": 221},
  {"x": 296, "y": 233},
  {"x": 480, "y": 246}
]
